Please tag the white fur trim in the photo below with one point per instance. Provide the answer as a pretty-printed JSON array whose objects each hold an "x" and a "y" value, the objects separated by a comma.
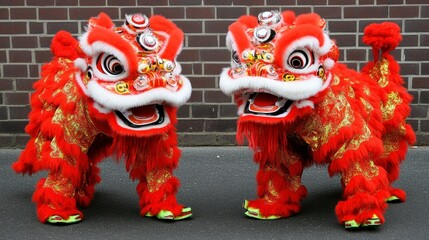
[
  {"x": 122, "y": 102},
  {"x": 295, "y": 90},
  {"x": 80, "y": 83},
  {"x": 328, "y": 64}
]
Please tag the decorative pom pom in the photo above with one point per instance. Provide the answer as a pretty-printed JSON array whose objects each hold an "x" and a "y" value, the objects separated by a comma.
[
  {"x": 385, "y": 36},
  {"x": 64, "y": 45}
]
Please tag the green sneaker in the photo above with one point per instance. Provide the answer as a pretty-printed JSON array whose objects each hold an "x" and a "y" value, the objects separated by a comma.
[
  {"x": 168, "y": 215},
  {"x": 255, "y": 213},
  {"x": 54, "y": 219},
  {"x": 372, "y": 222}
]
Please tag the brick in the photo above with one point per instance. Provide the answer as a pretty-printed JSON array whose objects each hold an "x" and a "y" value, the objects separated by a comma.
[
  {"x": 143, "y": 10},
  {"x": 170, "y": 12},
  {"x": 186, "y": 2},
  {"x": 204, "y": 111},
  {"x": 3, "y": 56},
  {"x": 213, "y": 68},
  {"x": 424, "y": 39},
  {"x": 221, "y": 125},
  {"x": 202, "y": 41},
  {"x": 228, "y": 110},
  {"x": 23, "y": 13},
  {"x": 409, "y": 41},
  {"x": 419, "y": 111},
  {"x": 6, "y": 84},
  {"x": 12, "y": 3},
  {"x": 366, "y": 12},
  {"x": 420, "y": 82},
  {"x": 67, "y": 3},
  {"x": 248, "y": 2},
  {"x": 416, "y": 54},
  {"x": 13, "y": 28},
  {"x": 12, "y": 126},
  {"x": 329, "y": 12},
  {"x": 39, "y": 3},
  {"x": 424, "y": 125},
  {"x": 216, "y": 96},
  {"x": 92, "y": 3},
  {"x": 148, "y": 3},
  {"x": 424, "y": 11},
  {"x": 189, "y": 55},
  {"x": 217, "y": 2},
  {"x": 4, "y": 42},
  {"x": 190, "y": 26},
  {"x": 184, "y": 112},
  {"x": 86, "y": 13},
  {"x": 220, "y": 26},
  {"x": 24, "y": 84},
  {"x": 281, "y": 2},
  {"x": 196, "y": 97},
  {"x": 16, "y": 98},
  {"x": 424, "y": 96},
  {"x": 186, "y": 68},
  {"x": 34, "y": 70},
  {"x": 356, "y": 54},
  {"x": 36, "y": 28},
  {"x": 417, "y": 25},
  {"x": 390, "y": 2},
  {"x": 197, "y": 68},
  {"x": 404, "y": 11},
  {"x": 54, "y": 27},
  {"x": 43, "y": 56},
  {"x": 121, "y": 2},
  {"x": 190, "y": 125},
  {"x": 7, "y": 141},
  {"x": 203, "y": 139},
  {"x": 344, "y": 40},
  {"x": 3, "y": 113},
  {"x": 24, "y": 42},
  {"x": 311, "y": 2},
  {"x": 19, "y": 56},
  {"x": 202, "y": 81},
  {"x": 14, "y": 70},
  {"x": 53, "y": 14},
  {"x": 409, "y": 68},
  {"x": 215, "y": 55},
  {"x": 415, "y": 95},
  {"x": 366, "y": 2},
  {"x": 19, "y": 112},
  {"x": 298, "y": 10},
  {"x": 342, "y": 2},
  {"x": 230, "y": 12},
  {"x": 200, "y": 12},
  {"x": 256, "y": 10},
  {"x": 342, "y": 26},
  {"x": 21, "y": 140},
  {"x": 425, "y": 68}
]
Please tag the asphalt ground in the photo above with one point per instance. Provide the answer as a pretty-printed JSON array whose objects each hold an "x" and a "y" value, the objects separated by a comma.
[{"x": 215, "y": 182}]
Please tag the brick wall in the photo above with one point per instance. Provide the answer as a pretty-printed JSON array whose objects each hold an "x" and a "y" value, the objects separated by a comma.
[{"x": 27, "y": 26}]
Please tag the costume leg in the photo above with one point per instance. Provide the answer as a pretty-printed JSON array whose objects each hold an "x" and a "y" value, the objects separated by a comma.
[
  {"x": 158, "y": 186},
  {"x": 279, "y": 190},
  {"x": 366, "y": 188},
  {"x": 55, "y": 199}
]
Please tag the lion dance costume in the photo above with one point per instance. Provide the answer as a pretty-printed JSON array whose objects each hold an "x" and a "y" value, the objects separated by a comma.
[
  {"x": 116, "y": 91},
  {"x": 297, "y": 106}
]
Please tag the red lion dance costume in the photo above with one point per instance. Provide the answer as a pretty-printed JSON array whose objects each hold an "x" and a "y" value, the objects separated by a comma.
[
  {"x": 297, "y": 106},
  {"x": 116, "y": 91}
]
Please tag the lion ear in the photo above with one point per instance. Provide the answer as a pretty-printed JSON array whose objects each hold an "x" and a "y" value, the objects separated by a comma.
[{"x": 102, "y": 20}]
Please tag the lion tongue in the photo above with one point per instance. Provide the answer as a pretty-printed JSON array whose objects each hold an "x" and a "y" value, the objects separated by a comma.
[
  {"x": 144, "y": 112},
  {"x": 264, "y": 100}
]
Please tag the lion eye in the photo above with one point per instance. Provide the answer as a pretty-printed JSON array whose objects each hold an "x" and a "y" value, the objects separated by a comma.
[
  {"x": 300, "y": 59},
  {"x": 110, "y": 65},
  {"x": 235, "y": 57}
]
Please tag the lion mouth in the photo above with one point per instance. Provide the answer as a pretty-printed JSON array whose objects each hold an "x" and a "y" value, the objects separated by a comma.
[
  {"x": 143, "y": 116},
  {"x": 267, "y": 104}
]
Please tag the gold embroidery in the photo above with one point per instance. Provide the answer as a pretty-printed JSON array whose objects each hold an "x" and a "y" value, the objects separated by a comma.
[
  {"x": 57, "y": 153},
  {"x": 380, "y": 71},
  {"x": 272, "y": 194},
  {"x": 356, "y": 169},
  {"x": 155, "y": 179},
  {"x": 368, "y": 107},
  {"x": 354, "y": 143},
  {"x": 38, "y": 143},
  {"x": 169, "y": 153},
  {"x": 388, "y": 109},
  {"x": 60, "y": 185}
]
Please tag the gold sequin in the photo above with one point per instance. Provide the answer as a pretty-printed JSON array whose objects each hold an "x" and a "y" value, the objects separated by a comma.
[
  {"x": 60, "y": 185},
  {"x": 380, "y": 72},
  {"x": 155, "y": 179},
  {"x": 370, "y": 172},
  {"x": 388, "y": 109},
  {"x": 57, "y": 153}
]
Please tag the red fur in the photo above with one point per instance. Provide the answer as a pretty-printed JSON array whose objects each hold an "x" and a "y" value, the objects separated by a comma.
[
  {"x": 349, "y": 129},
  {"x": 69, "y": 136},
  {"x": 238, "y": 30}
]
